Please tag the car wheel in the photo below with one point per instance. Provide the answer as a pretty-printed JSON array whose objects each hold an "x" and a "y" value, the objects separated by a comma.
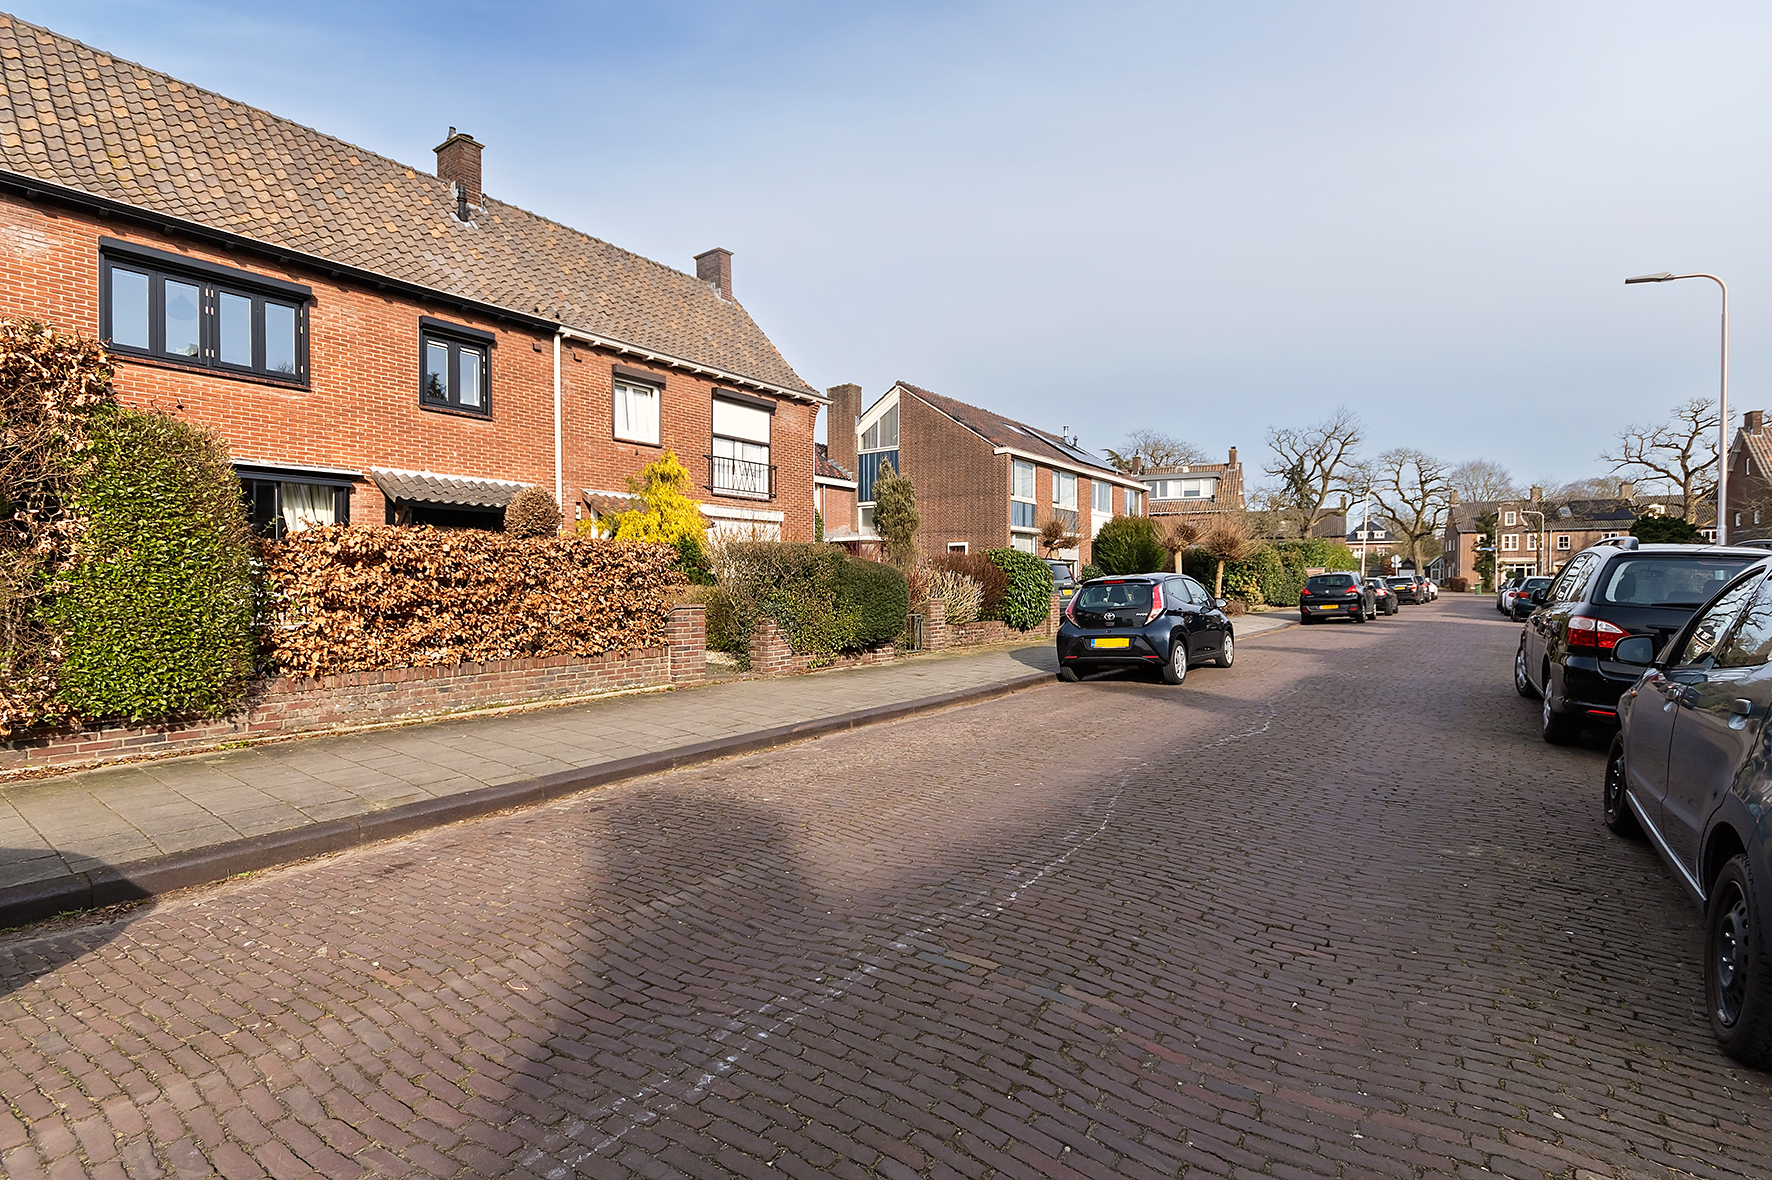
[
  {"x": 1068, "y": 675},
  {"x": 1614, "y": 807},
  {"x": 1558, "y": 729},
  {"x": 1305, "y": 620},
  {"x": 1360, "y": 613},
  {"x": 1522, "y": 681},
  {"x": 1228, "y": 653},
  {"x": 1175, "y": 668},
  {"x": 1737, "y": 977}
]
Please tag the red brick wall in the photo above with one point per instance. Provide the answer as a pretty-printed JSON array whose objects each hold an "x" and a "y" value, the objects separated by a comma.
[
  {"x": 962, "y": 488},
  {"x": 362, "y": 408}
]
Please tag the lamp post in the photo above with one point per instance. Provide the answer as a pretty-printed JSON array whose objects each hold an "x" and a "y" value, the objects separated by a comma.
[
  {"x": 1538, "y": 549},
  {"x": 1722, "y": 399}
]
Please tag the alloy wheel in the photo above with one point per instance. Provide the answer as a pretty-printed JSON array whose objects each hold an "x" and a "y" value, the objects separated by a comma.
[{"x": 1732, "y": 951}]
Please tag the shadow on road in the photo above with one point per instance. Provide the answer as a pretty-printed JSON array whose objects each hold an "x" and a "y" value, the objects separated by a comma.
[{"x": 30, "y": 952}]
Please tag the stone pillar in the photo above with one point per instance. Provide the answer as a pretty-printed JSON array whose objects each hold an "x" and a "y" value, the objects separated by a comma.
[
  {"x": 687, "y": 636},
  {"x": 935, "y": 625}
]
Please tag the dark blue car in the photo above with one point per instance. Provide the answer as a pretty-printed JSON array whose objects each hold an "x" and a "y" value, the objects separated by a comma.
[{"x": 1163, "y": 622}]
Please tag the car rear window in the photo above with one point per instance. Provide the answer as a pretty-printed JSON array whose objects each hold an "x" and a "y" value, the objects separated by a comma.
[
  {"x": 1401, "y": 581},
  {"x": 1329, "y": 581},
  {"x": 1099, "y": 596},
  {"x": 1675, "y": 579}
]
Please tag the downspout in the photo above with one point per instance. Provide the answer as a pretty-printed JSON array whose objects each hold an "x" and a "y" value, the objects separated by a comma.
[{"x": 559, "y": 474}]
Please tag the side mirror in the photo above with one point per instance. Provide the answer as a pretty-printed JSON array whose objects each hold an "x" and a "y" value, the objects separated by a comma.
[
  {"x": 1635, "y": 649},
  {"x": 1541, "y": 595},
  {"x": 1222, "y": 602}
]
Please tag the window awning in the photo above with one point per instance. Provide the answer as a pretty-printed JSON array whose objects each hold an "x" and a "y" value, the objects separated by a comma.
[{"x": 428, "y": 487}]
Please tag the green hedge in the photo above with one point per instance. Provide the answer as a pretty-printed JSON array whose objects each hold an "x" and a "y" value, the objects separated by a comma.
[
  {"x": 157, "y": 618},
  {"x": 1028, "y": 600},
  {"x": 824, "y": 601},
  {"x": 1129, "y": 545},
  {"x": 1275, "y": 574}
]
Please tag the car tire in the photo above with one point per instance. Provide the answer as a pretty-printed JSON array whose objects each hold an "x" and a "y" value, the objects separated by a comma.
[
  {"x": 1068, "y": 675},
  {"x": 1305, "y": 620},
  {"x": 1558, "y": 729},
  {"x": 1737, "y": 975},
  {"x": 1227, "y": 654},
  {"x": 1522, "y": 681},
  {"x": 1175, "y": 667},
  {"x": 1614, "y": 807},
  {"x": 1360, "y": 614}
]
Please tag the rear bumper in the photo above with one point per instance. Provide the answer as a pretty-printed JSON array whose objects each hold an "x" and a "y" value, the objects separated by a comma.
[
  {"x": 1589, "y": 689},
  {"x": 1075, "y": 647},
  {"x": 1338, "y": 610}
]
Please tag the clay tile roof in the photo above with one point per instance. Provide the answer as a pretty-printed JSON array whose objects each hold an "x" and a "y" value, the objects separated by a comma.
[
  {"x": 826, "y": 467},
  {"x": 1007, "y": 432},
  {"x": 1759, "y": 448},
  {"x": 83, "y": 119},
  {"x": 427, "y": 487},
  {"x": 607, "y": 503}
]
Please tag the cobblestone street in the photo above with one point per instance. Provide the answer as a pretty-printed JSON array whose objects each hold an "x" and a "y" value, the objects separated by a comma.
[{"x": 1335, "y": 912}]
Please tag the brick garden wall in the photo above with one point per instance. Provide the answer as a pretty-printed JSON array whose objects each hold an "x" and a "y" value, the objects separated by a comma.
[{"x": 291, "y": 705}]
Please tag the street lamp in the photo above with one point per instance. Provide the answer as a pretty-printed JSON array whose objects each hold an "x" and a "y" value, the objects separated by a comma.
[
  {"x": 1723, "y": 398},
  {"x": 1538, "y": 549}
]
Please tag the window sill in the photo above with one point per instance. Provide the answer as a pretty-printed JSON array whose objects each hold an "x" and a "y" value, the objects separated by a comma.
[
  {"x": 733, "y": 494},
  {"x": 293, "y": 385},
  {"x": 476, "y": 415},
  {"x": 637, "y": 442}
]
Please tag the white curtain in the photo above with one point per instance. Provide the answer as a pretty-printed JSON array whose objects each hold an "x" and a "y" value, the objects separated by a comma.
[{"x": 306, "y": 506}]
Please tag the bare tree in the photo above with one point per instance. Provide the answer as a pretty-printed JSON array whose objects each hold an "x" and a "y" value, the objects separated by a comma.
[
  {"x": 1156, "y": 449},
  {"x": 1682, "y": 450},
  {"x": 1412, "y": 490},
  {"x": 1314, "y": 463},
  {"x": 1055, "y": 535},
  {"x": 1594, "y": 487},
  {"x": 1476, "y": 480}
]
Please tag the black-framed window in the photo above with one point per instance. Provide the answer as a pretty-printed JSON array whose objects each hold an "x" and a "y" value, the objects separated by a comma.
[
  {"x": 153, "y": 303},
  {"x": 278, "y": 507},
  {"x": 454, "y": 367}
]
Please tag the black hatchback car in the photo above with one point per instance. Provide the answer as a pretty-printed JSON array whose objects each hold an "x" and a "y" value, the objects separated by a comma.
[
  {"x": 1409, "y": 589},
  {"x": 1607, "y": 592},
  {"x": 1336, "y": 596},
  {"x": 1160, "y": 621},
  {"x": 1689, "y": 768}
]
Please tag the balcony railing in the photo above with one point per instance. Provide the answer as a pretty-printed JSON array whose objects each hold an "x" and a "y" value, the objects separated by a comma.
[{"x": 741, "y": 477}]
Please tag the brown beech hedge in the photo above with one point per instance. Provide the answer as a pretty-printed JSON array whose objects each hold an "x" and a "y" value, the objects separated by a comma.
[{"x": 352, "y": 599}]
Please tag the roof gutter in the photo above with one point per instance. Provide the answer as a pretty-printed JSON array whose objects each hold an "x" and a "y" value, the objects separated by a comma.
[{"x": 677, "y": 362}]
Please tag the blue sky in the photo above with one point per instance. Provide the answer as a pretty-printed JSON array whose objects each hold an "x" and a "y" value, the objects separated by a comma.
[{"x": 1207, "y": 219}]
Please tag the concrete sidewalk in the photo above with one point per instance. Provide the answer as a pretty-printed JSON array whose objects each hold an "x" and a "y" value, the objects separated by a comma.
[{"x": 118, "y": 833}]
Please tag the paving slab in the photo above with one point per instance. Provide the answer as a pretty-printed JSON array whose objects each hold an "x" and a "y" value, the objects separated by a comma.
[{"x": 116, "y": 833}]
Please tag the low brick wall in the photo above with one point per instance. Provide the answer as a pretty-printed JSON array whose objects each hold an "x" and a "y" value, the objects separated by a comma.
[
  {"x": 771, "y": 655},
  {"x": 939, "y": 634},
  {"x": 290, "y": 704}
]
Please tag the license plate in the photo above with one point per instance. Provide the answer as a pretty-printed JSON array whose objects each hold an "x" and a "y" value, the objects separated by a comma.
[
  {"x": 1329, "y": 606},
  {"x": 1110, "y": 643}
]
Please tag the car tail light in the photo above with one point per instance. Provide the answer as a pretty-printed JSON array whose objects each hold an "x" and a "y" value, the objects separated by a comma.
[
  {"x": 1594, "y": 633},
  {"x": 1156, "y": 601},
  {"x": 1305, "y": 593},
  {"x": 1070, "y": 610}
]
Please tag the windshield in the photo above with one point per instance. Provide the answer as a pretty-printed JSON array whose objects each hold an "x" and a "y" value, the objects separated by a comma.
[
  {"x": 1673, "y": 579},
  {"x": 1105, "y": 596},
  {"x": 1330, "y": 582}
]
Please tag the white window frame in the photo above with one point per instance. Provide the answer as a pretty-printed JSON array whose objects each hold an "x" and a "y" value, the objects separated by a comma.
[
  {"x": 1064, "y": 482},
  {"x": 1532, "y": 542},
  {"x": 959, "y": 546},
  {"x": 1510, "y": 542},
  {"x": 1562, "y": 542},
  {"x": 1101, "y": 496},
  {"x": 1130, "y": 501},
  {"x": 625, "y": 394},
  {"x": 1510, "y": 519}
]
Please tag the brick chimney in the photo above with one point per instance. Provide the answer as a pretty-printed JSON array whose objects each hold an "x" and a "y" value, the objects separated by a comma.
[
  {"x": 1753, "y": 421},
  {"x": 1627, "y": 490},
  {"x": 458, "y": 162},
  {"x": 1233, "y": 458},
  {"x": 1452, "y": 498},
  {"x": 1537, "y": 494},
  {"x": 840, "y": 416},
  {"x": 715, "y": 266}
]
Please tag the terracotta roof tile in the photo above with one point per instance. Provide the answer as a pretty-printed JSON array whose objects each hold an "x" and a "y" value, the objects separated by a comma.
[
  {"x": 825, "y": 466},
  {"x": 428, "y": 487},
  {"x": 75, "y": 116},
  {"x": 1007, "y": 432}
]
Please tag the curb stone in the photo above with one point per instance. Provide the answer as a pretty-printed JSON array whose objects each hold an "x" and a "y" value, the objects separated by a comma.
[{"x": 108, "y": 885}]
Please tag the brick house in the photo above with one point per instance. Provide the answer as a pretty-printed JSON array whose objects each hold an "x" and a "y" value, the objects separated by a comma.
[
  {"x": 1196, "y": 488},
  {"x": 1750, "y": 479},
  {"x": 1535, "y": 535},
  {"x": 375, "y": 343},
  {"x": 983, "y": 481},
  {"x": 833, "y": 492}
]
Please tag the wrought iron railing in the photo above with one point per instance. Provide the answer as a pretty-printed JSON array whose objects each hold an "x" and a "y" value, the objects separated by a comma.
[{"x": 741, "y": 477}]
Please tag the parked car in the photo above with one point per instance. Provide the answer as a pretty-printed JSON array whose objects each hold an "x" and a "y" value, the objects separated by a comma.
[
  {"x": 1607, "y": 592},
  {"x": 1520, "y": 601},
  {"x": 1162, "y": 621},
  {"x": 1383, "y": 599},
  {"x": 1688, "y": 768},
  {"x": 1505, "y": 590},
  {"x": 1433, "y": 588},
  {"x": 1331, "y": 596},
  {"x": 1407, "y": 589},
  {"x": 1064, "y": 583}
]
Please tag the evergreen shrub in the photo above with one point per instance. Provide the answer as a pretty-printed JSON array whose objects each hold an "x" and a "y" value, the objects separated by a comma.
[
  {"x": 157, "y": 613},
  {"x": 1028, "y": 599},
  {"x": 823, "y": 601},
  {"x": 1090, "y": 571},
  {"x": 1130, "y": 545}
]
